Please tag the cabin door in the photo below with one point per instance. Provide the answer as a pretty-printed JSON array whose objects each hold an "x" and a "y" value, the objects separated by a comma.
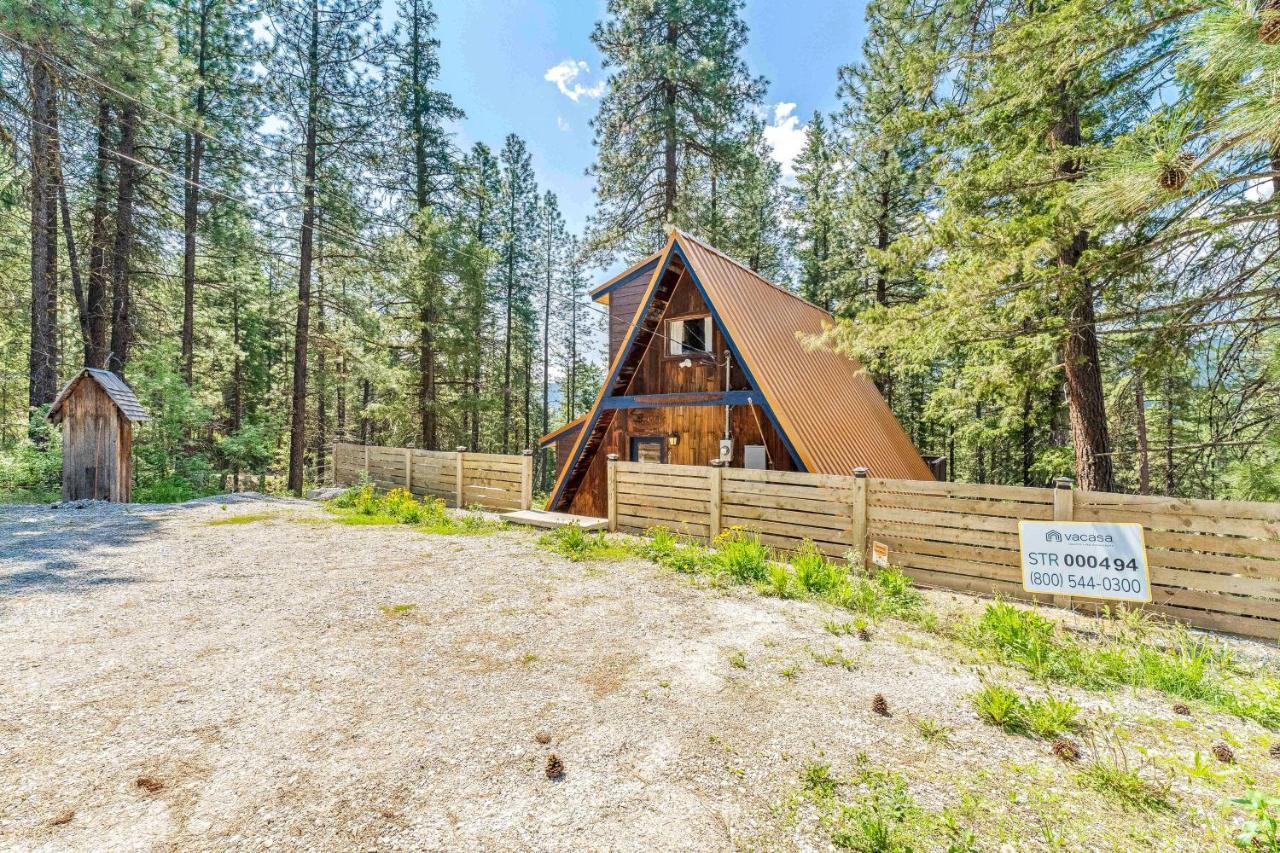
[{"x": 649, "y": 448}]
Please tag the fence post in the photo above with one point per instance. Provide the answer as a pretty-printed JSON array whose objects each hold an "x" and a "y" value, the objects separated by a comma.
[
  {"x": 859, "y": 514},
  {"x": 613, "y": 492},
  {"x": 717, "y": 491},
  {"x": 366, "y": 463},
  {"x": 462, "y": 452},
  {"x": 1064, "y": 509},
  {"x": 408, "y": 470},
  {"x": 526, "y": 480}
]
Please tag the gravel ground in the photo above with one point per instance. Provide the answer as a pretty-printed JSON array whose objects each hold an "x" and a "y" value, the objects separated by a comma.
[{"x": 295, "y": 683}]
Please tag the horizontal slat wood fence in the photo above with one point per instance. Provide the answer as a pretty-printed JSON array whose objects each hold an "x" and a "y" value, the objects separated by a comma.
[
  {"x": 489, "y": 480},
  {"x": 1214, "y": 564}
]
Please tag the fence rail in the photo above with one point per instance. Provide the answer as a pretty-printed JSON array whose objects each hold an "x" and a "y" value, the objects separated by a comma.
[
  {"x": 1214, "y": 564},
  {"x": 490, "y": 480}
]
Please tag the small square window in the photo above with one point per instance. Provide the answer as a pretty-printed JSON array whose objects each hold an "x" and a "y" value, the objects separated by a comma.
[{"x": 690, "y": 336}]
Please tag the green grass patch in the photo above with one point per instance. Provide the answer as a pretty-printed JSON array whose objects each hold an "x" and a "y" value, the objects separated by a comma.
[
  {"x": 932, "y": 731},
  {"x": 363, "y": 506},
  {"x": 574, "y": 543},
  {"x": 1110, "y": 772},
  {"x": 1127, "y": 652},
  {"x": 1043, "y": 718},
  {"x": 247, "y": 518},
  {"x": 397, "y": 609},
  {"x": 872, "y": 810},
  {"x": 738, "y": 556}
]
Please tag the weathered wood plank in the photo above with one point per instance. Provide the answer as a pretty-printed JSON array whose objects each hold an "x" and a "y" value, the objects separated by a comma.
[
  {"x": 1022, "y": 494},
  {"x": 640, "y": 503},
  {"x": 839, "y": 521},
  {"x": 1180, "y": 506},
  {"x": 943, "y": 519},
  {"x": 970, "y": 506},
  {"x": 1246, "y": 527},
  {"x": 991, "y": 539}
]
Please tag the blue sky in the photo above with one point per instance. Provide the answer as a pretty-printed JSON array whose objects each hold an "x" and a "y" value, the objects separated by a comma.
[{"x": 496, "y": 55}]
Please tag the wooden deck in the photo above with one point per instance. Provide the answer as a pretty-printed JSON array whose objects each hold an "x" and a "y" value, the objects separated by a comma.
[{"x": 541, "y": 518}]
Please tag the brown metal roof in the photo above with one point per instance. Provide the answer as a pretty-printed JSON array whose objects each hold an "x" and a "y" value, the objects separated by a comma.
[
  {"x": 826, "y": 404},
  {"x": 120, "y": 393}
]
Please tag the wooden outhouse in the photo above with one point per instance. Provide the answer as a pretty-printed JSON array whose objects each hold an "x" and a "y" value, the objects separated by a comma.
[
  {"x": 97, "y": 411},
  {"x": 709, "y": 361}
]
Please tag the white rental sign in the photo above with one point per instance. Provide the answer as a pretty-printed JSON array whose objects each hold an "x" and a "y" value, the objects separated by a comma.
[{"x": 1083, "y": 558}]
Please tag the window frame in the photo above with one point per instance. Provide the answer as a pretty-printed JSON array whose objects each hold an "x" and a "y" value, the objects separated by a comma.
[
  {"x": 635, "y": 440},
  {"x": 709, "y": 328}
]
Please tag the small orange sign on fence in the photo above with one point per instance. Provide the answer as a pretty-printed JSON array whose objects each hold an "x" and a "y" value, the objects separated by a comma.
[{"x": 879, "y": 553}]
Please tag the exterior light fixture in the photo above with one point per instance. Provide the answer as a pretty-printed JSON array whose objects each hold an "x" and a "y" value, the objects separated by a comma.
[{"x": 673, "y": 439}]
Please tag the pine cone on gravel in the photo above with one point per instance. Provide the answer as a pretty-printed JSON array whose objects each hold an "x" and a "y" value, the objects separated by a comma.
[
  {"x": 543, "y": 737},
  {"x": 150, "y": 784},
  {"x": 1223, "y": 753},
  {"x": 555, "y": 767},
  {"x": 864, "y": 635},
  {"x": 1182, "y": 709},
  {"x": 879, "y": 705},
  {"x": 1066, "y": 749},
  {"x": 1274, "y": 752}
]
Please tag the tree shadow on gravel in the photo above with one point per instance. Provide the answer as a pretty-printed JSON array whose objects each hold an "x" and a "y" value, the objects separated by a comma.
[{"x": 44, "y": 550}]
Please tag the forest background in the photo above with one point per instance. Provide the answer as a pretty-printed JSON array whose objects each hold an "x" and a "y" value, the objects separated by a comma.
[{"x": 1049, "y": 230}]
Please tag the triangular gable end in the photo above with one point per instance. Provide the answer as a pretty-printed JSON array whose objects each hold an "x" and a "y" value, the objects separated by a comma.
[
  {"x": 624, "y": 351},
  {"x": 629, "y": 349}
]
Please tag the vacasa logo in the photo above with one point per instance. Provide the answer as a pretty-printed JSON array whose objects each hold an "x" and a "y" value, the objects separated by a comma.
[{"x": 1079, "y": 538}]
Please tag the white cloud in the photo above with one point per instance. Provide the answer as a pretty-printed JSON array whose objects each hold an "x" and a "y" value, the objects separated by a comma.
[
  {"x": 565, "y": 76},
  {"x": 562, "y": 124},
  {"x": 785, "y": 136},
  {"x": 1259, "y": 192}
]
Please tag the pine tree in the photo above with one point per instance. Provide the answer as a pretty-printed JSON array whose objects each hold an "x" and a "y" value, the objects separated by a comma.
[
  {"x": 215, "y": 41},
  {"x": 755, "y": 205},
  {"x": 552, "y": 261},
  {"x": 813, "y": 210},
  {"x": 480, "y": 189},
  {"x": 321, "y": 85},
  {"x": 517, "y": 211},
  {"x": 680, "y": 92}
]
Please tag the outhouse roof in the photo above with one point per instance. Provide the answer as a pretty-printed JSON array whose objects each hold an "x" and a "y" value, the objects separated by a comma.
[{"x": 120, "y": 393}]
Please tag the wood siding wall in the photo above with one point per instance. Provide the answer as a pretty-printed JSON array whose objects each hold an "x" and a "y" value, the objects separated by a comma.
[
  {"x": 1214, "y": 564},
  {"x": 489, "y": 480},
  {"x": 97, "y": 447},
  {"x": 623, "y": 302},
  {"x": 699, "y": 427}
]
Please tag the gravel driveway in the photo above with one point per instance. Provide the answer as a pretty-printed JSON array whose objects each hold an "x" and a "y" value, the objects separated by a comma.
[{"x": 293, "y": 682}]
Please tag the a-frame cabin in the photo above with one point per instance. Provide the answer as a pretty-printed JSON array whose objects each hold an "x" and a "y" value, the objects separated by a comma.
[{"x": 702, "y": 349}]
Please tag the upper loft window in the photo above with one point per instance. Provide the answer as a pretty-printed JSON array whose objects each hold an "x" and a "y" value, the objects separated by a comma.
[{"x": 689, "y": 336}]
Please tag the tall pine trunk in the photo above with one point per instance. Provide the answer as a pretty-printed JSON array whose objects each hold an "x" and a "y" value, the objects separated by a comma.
[
  {"x": 544, "y": 467},
  {"x": 1086, "y": 405},
  {"x": 122, "y": 247},
  {"x": 320, "y": 453},
  {"x": 42, "y": 384},
  {"x": 302, "y": 326},
  {"x": 95, "y": 299},
  {"x": 669, "y": 142},
  {"x": 193, "y": 152},
  {"x": 427, "y": 371},
  {"x": 1140, "y": 415},
  {"x": 506, "y": 347}
]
